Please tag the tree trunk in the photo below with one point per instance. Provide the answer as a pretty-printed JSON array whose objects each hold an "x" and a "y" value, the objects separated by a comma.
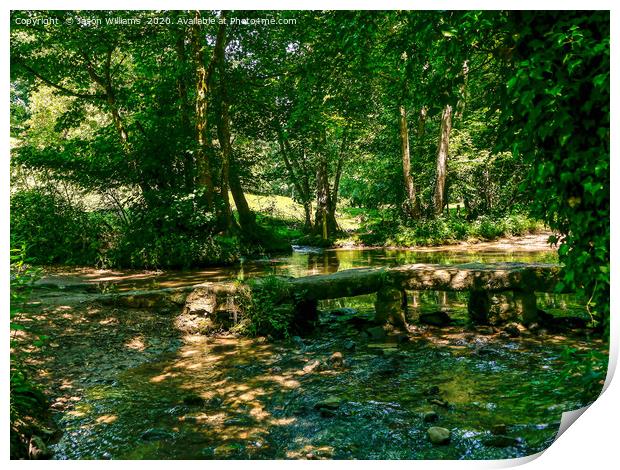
[
  {"x": 105, "y": 82},
  {"x": 322, "y": 199},
  {"x": 247, "y": 218},
  {"x": 461, "y": 103},
  {"x": 411, "y": 203},
  {"x": 223, "y": 131},
  {"x": 297, "y": 182},
  {"x": 442, "y": 159},
  {"x": 333, "y": 199},
  {"x": 188, "y": 161},
  {"x": 205, "y": 179},
  {"x": 223, "y": 135}
]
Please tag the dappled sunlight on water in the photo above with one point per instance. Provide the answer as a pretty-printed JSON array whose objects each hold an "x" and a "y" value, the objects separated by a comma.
[{"x": 153, "y": 394}]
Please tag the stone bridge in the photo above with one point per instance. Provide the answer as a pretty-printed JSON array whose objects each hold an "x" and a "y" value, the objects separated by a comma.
[{"x": 498, "y": 292}]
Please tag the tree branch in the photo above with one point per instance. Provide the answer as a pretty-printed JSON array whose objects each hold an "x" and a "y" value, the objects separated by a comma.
[{"x": 59, "y": 87}]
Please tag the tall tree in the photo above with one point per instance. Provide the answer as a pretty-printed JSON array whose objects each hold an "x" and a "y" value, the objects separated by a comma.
[{"x": 442, "y": 159}]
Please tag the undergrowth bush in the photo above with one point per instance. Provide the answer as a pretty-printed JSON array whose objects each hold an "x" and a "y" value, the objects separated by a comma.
[
  {"x": 392, "y": 231},
  {"x": 53, "y": 229},
  {"x": 171, "y": 231},
  {"x": 265, "y": 314},
  {"x": 175, "y": 231},
  {"x": 27, "y": 402}
]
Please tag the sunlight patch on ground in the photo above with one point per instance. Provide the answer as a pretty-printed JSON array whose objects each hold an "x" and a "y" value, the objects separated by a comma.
[
  {"x": 136, "y": 343},
  {"x": 106, "y": 419}
]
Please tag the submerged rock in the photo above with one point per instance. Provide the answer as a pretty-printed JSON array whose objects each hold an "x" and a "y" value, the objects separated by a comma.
[
  {"x": 298, "y": 342},
  {"x": 501, "y": 440},
  {"x": 329, "y": 403},
  {"x": 439, "y": 402},
  {"x": 485, "y": 330},
  {"x": 194, "y": 400},
  {"x": 438, "y": 436},
  {"x": 312, "y": 366},
  {"x": 430, "y": 417},
  {"x": 498, "y": 429},
  {"x": 336, "y": 360},
  {"x": 225, "y": 451},
  {"x": 376, "y": 332},
  {"x": 37, "y": 450},
  {"x": 512, "y": 330},
  {"x": 439, "y": 318},
  {"x": 155, "y": 434},
  {"x": 402, "y": 338}
]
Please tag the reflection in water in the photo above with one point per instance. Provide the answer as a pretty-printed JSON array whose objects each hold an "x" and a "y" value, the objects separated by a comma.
[{"x": 299, "y": 263}]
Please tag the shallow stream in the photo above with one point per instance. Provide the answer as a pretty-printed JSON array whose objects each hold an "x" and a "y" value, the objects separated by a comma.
[{"x": 197, "y": 397}]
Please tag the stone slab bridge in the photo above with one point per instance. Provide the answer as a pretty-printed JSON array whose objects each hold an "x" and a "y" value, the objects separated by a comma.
[{"x": 498, "y": 292}]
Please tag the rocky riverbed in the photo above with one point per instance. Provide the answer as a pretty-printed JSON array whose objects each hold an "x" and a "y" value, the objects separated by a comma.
[{"x": 126, "y": 384}]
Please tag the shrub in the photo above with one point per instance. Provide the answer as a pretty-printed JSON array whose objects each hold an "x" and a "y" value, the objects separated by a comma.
[
  {"x": 446, "y": 229},
  {"x": 53, "y": 229},
  {"x": 178, "y": 234},
  {"x": 265, "y": 314},
  {"x": 27, "y": 402}
]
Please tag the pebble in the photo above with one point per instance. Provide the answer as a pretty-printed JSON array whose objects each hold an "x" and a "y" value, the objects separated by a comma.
[{"x": 155, "y": 434}]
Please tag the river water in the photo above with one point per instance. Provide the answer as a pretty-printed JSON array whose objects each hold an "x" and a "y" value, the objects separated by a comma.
[{"x": 197, "y": 397}]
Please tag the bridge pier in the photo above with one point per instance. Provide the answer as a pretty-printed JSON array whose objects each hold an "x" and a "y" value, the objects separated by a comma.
[
  {"x": 390, "y": 307},
  {"x": 496, "y": 308},
  {"x": 306, "y": 314}
]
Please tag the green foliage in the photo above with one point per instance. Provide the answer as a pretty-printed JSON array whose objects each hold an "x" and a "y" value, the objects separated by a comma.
[
  {"x": 26, "y": 398},
  {"x": 393, "y": 231},
  {"x": 559, "y": 121},
  {"x": 265, "y": 314},
  {"x": 174, "y": 231},
  {"x": 53, "y": 229},
  {"x": 587, "y": 368}
]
